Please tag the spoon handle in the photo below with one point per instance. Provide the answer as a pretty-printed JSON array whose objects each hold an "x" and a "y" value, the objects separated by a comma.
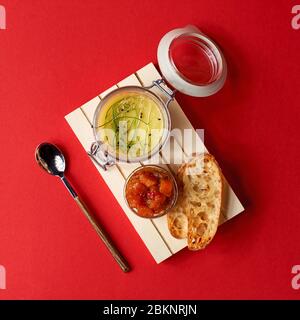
[
  {"x": 113, "y": 250},
  {"x": 102, "y": 234}
]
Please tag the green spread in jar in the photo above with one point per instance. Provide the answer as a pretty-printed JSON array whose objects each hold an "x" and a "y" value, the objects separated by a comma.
[{"x": 131, "y": 124}]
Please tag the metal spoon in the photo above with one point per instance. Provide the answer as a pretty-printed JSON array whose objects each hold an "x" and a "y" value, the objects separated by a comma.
[{"x": 52, "y": 160}]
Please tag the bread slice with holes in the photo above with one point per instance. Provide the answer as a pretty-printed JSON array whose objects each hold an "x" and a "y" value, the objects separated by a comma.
[
  {"x": 177, "y": 219},
  {"x": 200, "y": 202}
]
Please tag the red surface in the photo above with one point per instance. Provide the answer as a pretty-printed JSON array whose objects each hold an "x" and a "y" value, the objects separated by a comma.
[{"x": 56, "y": 55}]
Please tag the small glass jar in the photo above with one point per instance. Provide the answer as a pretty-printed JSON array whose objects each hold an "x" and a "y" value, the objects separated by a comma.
[
  {"x": 166, "y": 173},
  {"x": 141, "y": 93}
]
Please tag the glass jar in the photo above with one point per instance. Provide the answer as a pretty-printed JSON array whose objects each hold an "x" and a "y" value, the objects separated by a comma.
[
  {"x": 171, "y": 201},
  {"x": 191, "y": 63}
]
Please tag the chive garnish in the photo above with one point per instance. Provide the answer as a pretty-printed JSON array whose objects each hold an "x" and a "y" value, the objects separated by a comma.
[{"x": 140, "y": 118}]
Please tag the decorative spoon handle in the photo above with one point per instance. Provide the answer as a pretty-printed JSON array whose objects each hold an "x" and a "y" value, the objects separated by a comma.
[
  {"x": 102, "y": 234},
  {"x": 113, "y": 250}
]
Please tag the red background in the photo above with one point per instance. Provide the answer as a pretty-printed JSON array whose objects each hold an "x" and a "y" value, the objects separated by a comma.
[{"x": 55, "y": 56}]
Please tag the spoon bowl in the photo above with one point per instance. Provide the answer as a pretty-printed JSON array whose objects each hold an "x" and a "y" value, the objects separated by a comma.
[{"x": 51, "y": 159}]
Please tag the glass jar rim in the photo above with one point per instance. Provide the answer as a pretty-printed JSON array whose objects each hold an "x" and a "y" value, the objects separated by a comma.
[
  {"x": 175, "y": 78},
  {"x": 208, "y": 52}
]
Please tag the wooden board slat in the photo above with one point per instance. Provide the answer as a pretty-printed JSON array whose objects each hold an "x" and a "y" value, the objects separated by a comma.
[
  {"x": 131, "y": 80},
  {"x": 89, "y": 108}
]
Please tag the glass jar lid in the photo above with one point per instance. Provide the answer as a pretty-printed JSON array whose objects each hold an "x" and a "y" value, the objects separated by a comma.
[{"x": 191, "y": 62}]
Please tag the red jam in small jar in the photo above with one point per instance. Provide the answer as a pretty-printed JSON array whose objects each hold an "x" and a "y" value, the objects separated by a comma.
[{"x": 150, "y": 191}]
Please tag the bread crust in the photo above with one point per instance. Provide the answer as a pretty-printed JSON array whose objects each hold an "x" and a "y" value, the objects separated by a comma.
[
  {"x": 177, "y": 220},
  {"x": 196, "y": 214}
]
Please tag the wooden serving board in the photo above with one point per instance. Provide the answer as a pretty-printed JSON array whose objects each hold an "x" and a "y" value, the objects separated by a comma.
[{"x": 153, "y": 232}]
